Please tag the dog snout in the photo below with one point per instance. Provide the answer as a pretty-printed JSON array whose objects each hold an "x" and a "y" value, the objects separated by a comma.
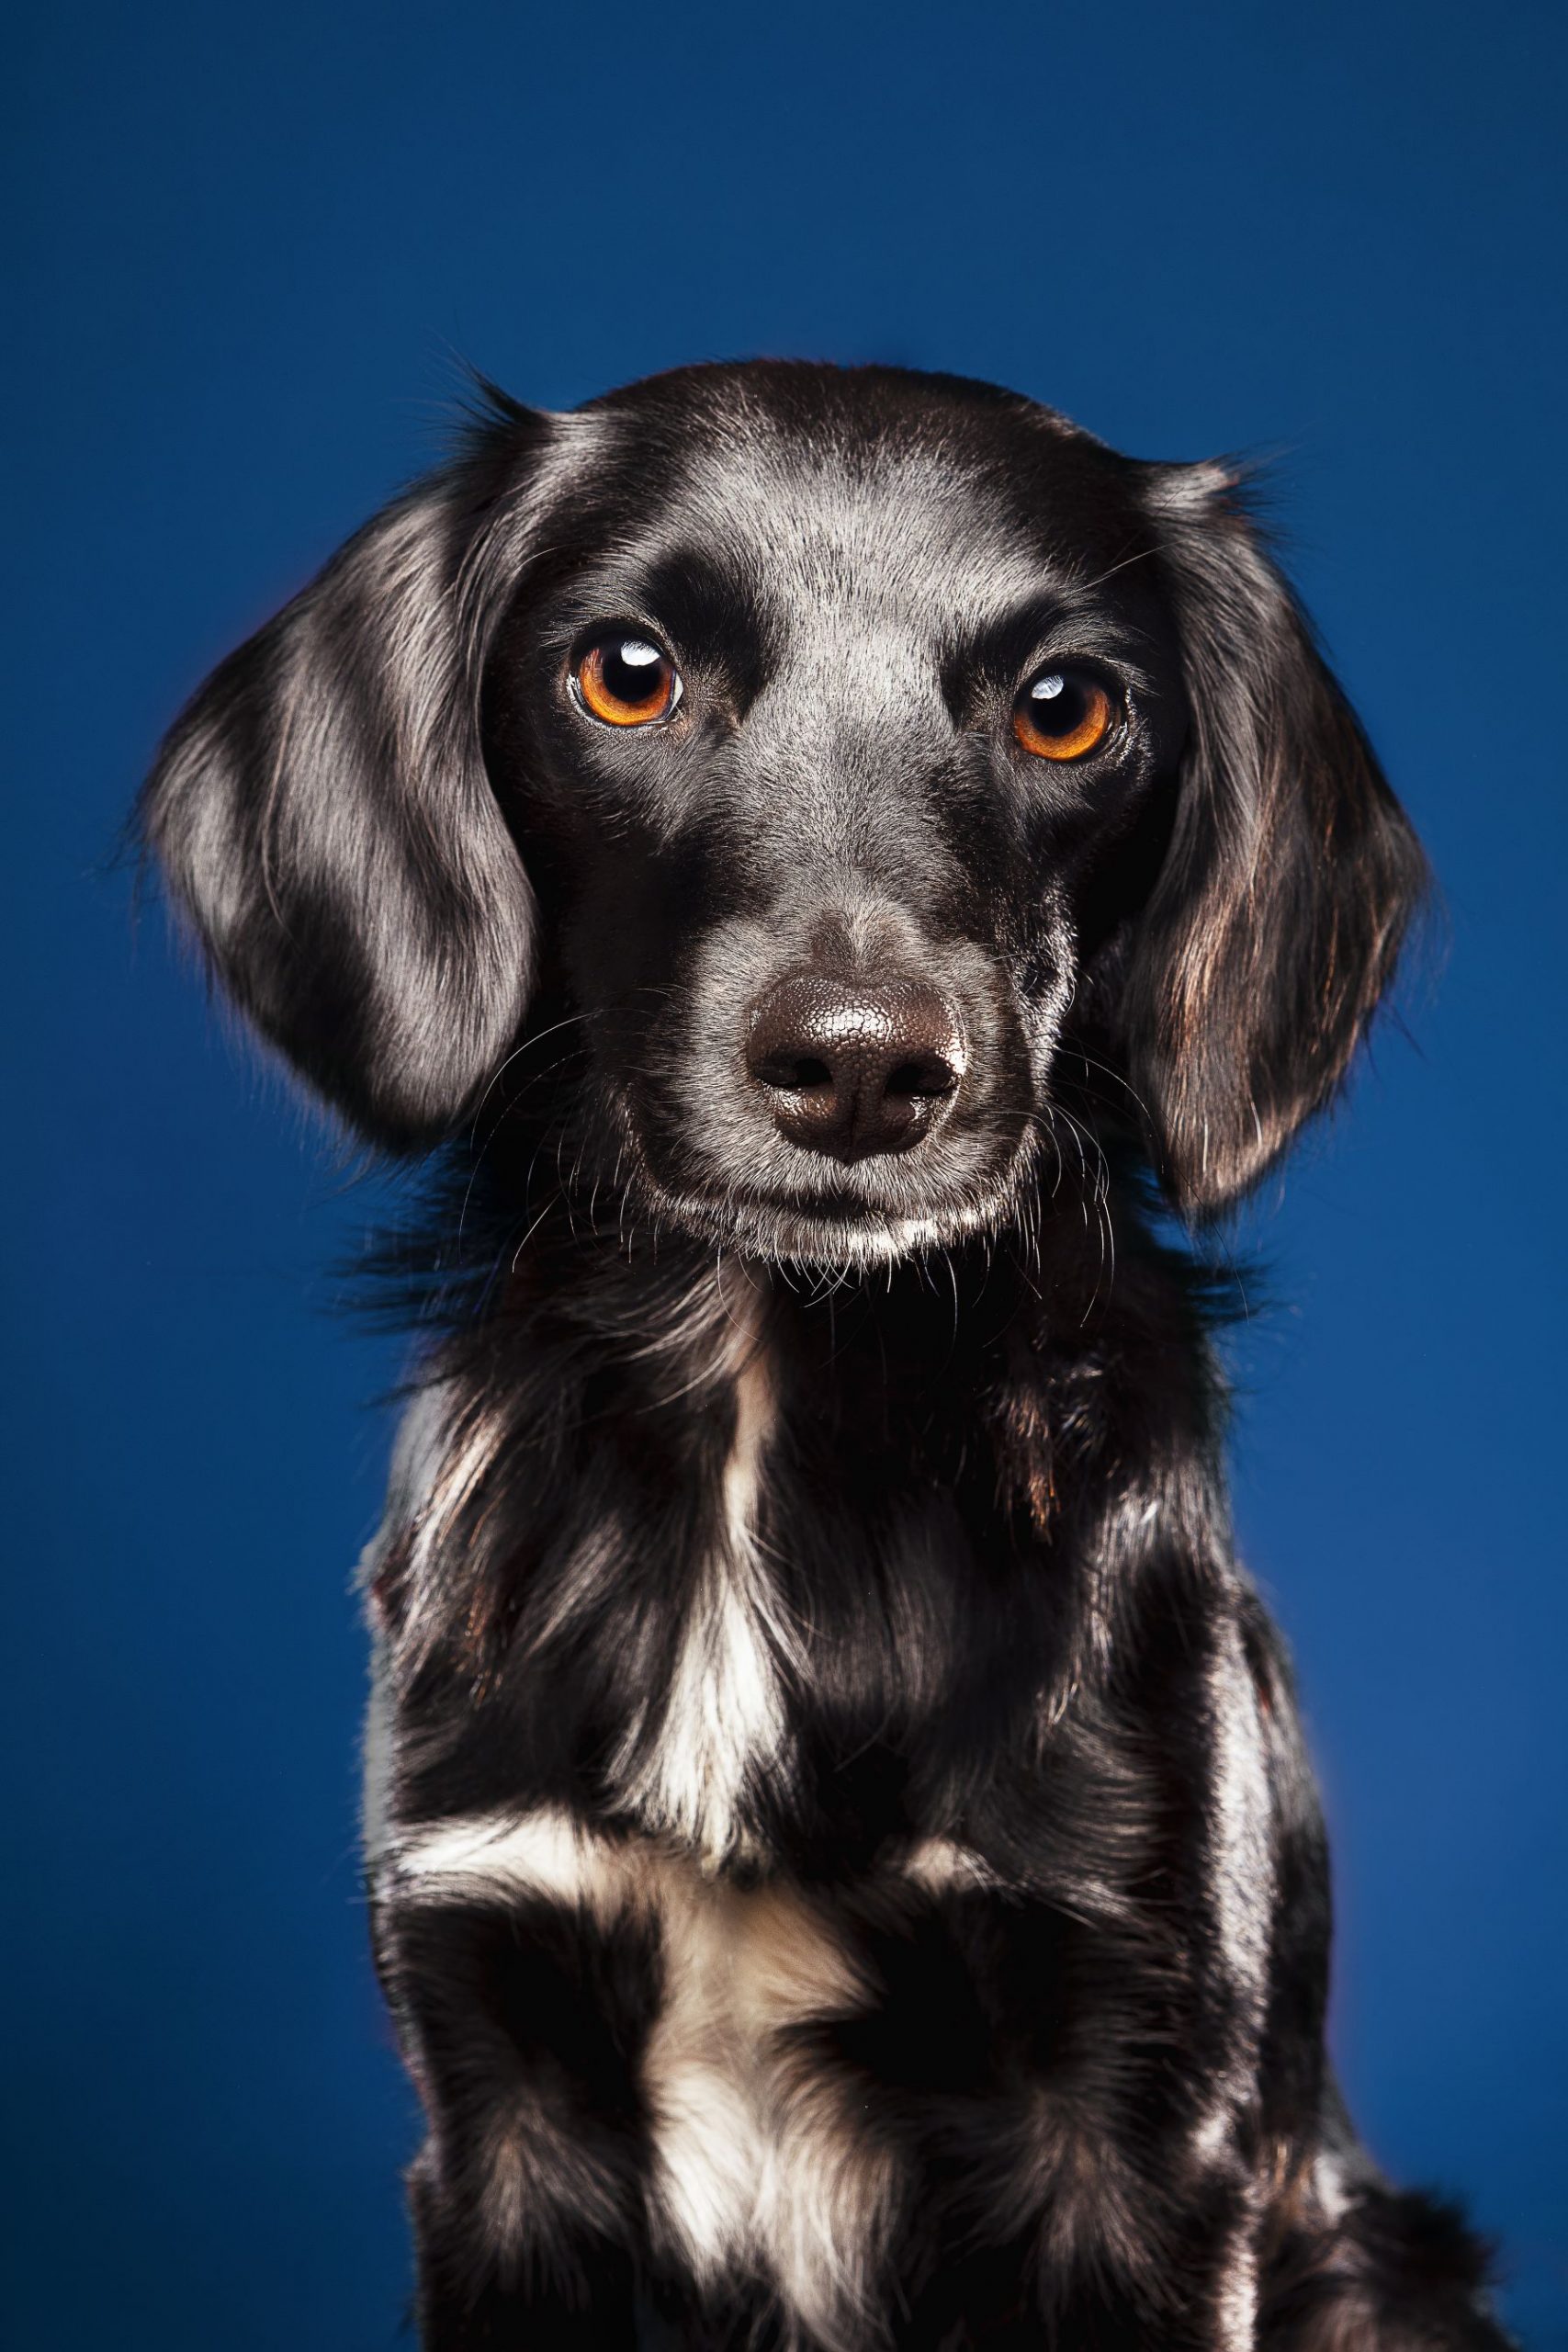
[{"x": 855, "y": 1068}]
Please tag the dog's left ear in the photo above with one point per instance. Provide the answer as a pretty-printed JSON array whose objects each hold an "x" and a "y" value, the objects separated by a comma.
[
  {"x": 323, "y": 815},
  {"x": 1290, "y": 875}
]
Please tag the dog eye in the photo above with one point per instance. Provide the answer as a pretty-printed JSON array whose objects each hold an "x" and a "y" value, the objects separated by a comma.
[
  {"x": 627, "y": 680},
  {"x": 1063, "y": 715}
]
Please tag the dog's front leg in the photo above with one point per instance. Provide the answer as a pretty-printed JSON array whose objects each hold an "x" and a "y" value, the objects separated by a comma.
[
  {"x": 521, "y": 2016},
  {"x": 1144, "y": 1988}
]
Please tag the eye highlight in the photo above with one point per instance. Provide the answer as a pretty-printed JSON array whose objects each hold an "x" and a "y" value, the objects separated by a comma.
[
  {"x": 625, "y": 680},
  {"x": 1062, "y": 714}
]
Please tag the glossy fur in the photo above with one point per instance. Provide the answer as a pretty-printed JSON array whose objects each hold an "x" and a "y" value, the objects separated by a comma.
[{"x": 842, "y": 1859}]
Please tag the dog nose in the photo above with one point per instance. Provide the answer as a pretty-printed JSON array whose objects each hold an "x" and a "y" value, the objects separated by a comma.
[{"x": 855, "y": 1068}]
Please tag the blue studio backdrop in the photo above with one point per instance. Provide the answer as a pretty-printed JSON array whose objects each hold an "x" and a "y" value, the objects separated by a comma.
[{"x": 256, "y": 246}]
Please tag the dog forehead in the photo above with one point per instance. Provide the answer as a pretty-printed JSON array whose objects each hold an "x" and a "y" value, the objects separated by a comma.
[
  {"x": 930, "y": 510},
  {"x": 891, "y": 529}
]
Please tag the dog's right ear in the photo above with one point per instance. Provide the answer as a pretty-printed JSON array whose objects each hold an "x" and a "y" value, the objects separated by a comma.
[{"x": 323, "y": 813}]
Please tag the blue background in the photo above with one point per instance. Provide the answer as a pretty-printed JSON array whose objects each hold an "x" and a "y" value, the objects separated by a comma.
[{"x": 255, "y": 244}]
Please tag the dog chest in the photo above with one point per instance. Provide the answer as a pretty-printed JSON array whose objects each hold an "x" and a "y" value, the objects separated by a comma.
[
  {"x": 761, "y": 2161},
  {"x": 689, "y": 1751}
]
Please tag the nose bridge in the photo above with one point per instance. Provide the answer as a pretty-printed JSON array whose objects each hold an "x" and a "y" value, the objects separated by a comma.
[{"x": 843, "y": 741}]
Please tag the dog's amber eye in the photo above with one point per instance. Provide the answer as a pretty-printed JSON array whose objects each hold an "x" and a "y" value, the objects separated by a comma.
[
  {"x": 627, "y": 681},
  {"x": 1063, "y": 715}
]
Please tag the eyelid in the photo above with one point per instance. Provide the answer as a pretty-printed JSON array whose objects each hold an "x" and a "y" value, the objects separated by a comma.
[
  {"x": 1127, "y": 685},
  {"x": 580, "y": 636}
]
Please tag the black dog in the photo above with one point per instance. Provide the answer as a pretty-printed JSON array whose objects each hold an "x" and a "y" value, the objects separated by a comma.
[{"x": 822, "y": 851}]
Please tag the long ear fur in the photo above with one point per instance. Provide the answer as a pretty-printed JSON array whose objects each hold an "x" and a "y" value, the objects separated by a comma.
[
  {"x": 1290, "y": 875},
  {"x": 322, "y": 812}
]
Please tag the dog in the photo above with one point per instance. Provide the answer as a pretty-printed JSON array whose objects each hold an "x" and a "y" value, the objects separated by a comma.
[{"x": 842, "y": 879}]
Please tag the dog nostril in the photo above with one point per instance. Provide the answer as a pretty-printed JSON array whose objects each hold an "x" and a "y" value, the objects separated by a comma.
[
  {"x": 928, "y": 1075},
  {"x": 796, "y": 1072},
  {"x": 853, "y": 1068}
]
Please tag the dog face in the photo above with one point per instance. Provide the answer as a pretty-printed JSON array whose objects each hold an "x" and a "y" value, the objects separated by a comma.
[
  {"x": 823, "y": 754},
  {"x": 860, "y": 760}
]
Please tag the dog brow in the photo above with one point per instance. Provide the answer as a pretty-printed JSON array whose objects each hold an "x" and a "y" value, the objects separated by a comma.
[
  {"x": 997, "y": 645},
  {"x": 710, "y": 606}
]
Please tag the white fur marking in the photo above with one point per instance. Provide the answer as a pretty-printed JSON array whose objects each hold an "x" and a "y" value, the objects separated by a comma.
[
  {"x": 378, "y": 1753},
  {"x": 724, "y": 1716},
  {"x": 1330, "y": 2187},
  {"x": 1244, "y": 1865},
  {"x": 941, "y": 1866},
  {"x": 1244, "y": 1884},
  {"x": 1237, "y": 2313},
  {"x": 498, "y": 1856},
  {"x": 697, "y": 2071},
  {"x": 762, "y": 2159}
]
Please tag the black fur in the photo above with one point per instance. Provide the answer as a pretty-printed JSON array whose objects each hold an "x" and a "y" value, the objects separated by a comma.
[{"x": 968, "y": 1886}]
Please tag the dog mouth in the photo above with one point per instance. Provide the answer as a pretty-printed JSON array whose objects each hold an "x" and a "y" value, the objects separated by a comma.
[
  {"x": 831, "y": 1228},
  {"x": 841, "y": 1126},
  {"x": 782, "y": 1232}
]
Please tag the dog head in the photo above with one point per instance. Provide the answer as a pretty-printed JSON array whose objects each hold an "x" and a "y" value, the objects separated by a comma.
[{"x": 867, "y": 762}]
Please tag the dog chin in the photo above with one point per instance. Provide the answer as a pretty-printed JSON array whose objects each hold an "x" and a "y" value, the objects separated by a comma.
[{"x": 830, "y": 1240}]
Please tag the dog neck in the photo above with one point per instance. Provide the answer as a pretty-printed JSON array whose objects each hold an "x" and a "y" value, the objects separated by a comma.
[{"x": 757, "y": 1559}]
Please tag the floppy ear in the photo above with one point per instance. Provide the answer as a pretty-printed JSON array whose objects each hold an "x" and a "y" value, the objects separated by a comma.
[
  {"x": 1290, "y": 878},
  {"x": 322, "y": 812}
]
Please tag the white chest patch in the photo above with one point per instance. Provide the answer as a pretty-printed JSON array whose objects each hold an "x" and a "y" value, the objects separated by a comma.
[
  {"x": 763, "y": 2158},
  {"x": 723, "y": 1718},
  {"x": 762, "y": 2164}
]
